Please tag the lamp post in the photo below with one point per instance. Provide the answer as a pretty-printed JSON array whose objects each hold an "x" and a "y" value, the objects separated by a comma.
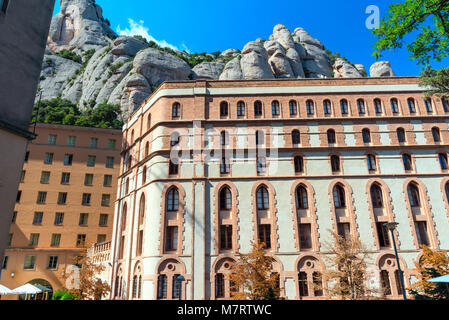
[
  {"x": 180, "y": 279},
  {"x": 392, "y": 226}
]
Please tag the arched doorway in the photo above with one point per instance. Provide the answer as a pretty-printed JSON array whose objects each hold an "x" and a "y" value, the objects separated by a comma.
[{"x": 44, "y": 285}]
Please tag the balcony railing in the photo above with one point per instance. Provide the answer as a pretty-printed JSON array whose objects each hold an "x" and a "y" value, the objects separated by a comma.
[{"x": 101, "y": 252}]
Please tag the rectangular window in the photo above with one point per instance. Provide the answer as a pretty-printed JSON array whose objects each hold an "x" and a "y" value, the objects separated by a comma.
[
  {"x": 59, "y": 218},
  {"x": 22, "y": 176},
  {"x": 34, "y": 239},
  {"x": 5, "y": 262},
  {"x": 48, "y": 158},
  {"x": 443, "y": 160},
  {"x": 65, "y": 178},
  {"x": 105, "y": 200},
  {"x": 8, "y": 243},
  {"x": 91, "y": 161},
  {"x": 86, "y": 199},
  {"x": 102, "y": 238},
  {"x": 88, "y": 179},
  {"x": 421, "y": 232},
  {"x": 139, "y": 243},
  {"x": 55, "y": 240},
  {"x": 80, "y": 240},
  {"x": 111, "y": 144},
  {"x": 303, "y": 285},
  {"x": 103, "y": 220},
  {"x": 29, "y": 263},
  {"x": 305, "y": 235},
  {"x": 27, "y": 156},
  {"x": 382, "y": 233},
  {"x": 109, "y": 162},
  {"x": 51, "y": 139},
  {"x": 107, "y": 180},
  {"x": 37, "y": 220},
  {"x": 45, "y": 177},
  {"x": 19, "y": 196},
  {"x": 83, "y": 219},
  {"x": 52, "y": 263},
  {"x": 265, "y": 235},
  {"x": 93, "y": 143},
  {"x": 41, "y": 197},
  {"x": 62, "y": 198},
  {"x": 171, "y": 243},
  {"x": 68, "y": 159},
  {"x": 224, "y": 166},
  {"x": 71, "y": 141},
  {"x": 14, "y": 217},
  {"x": 344, "y": 230},
  {"x": 226, "y": 237}
]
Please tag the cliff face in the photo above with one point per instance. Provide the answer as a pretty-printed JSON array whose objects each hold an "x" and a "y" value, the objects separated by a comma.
[{"x": 87, "y": 63}]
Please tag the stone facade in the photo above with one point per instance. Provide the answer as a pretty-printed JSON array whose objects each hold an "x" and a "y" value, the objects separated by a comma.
[{"x": 345, "y": 170}]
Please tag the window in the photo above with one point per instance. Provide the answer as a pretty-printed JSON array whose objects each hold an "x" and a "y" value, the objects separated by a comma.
[
  {"x": 240, "y": 109},
  {"x": 80, "y": 240},
  {"x": 224, "y": 166},
  {"x": 103, "y": 220},
  {"x": 310, "y": 107},
  {"x": 62, "y": 198},
  {"x": 65, "y": 178},
  {"x": 93, "y": 143},
  {"x": 303, "y": 284},
  {"x": 275, "y": 110},
  {"x": 51, "y": 139},
  {"x": 330, "y": 136},
  {"x": 144, "y": 174},
  {"x": 34, "y": 239},
  {"x": 299, "y": 164},
  {"x": 407, "y": 161},
  {"x": 428, "y": 104},
  {"x": 436, "y": 134},
  {"x": 41, "y": 197},
  {"x": 293, "y": 107},
  {"x": 344, "y": 230},
  {"x": 327, "y": 107},
  {"x": 339, "y": 197},
  {"x": 257, "y": 109},
  {"x": 401, "y": 135},
  {"x": 376, "y": 196},
  {"x": 302, "y": 201},
  {"x": 361, "y": 106},
  {"x": 105, "y": 200},
  {"x": 344, "y": 106},
  {"x": 27, "y": 156},
  {"x": 223, "y": 109},
  {"x": 9, "y": 241},
  {"x": 29, "y": 263},
  {"x": 226, "y": 237},
  {"x": 173, "y": 200},
  {"x": 172, "y": 168},
  {"x": 111, "y": 144},
  {"x": 68, "y": 159},
  {"x": 45, "y": 177},
  {"x": 225, "y": 199},
  {"x": 219, "y": 285},
  {"x": 109, "y": 162},
  {"x": 371, "y": 161},
  {"x": 22, "y": 176},
  {"x": 296, "y": 137},
  {"x": 52, "y": 263},
  {"x": 176, "y": 110},
  {"x": 413, "y": 195},
  {"x": 88, "y": 179},
  {"x": 443, "y": 160},
  {"x": 394, "y": 105},
  {"x": 377, "y": 106},
  {"x": 83, "y": 221},
  {"x": 174, "y": 139},
  {"x": 48, "y": 158},
  {"x": 86, "y": 199},
  {"x": 59, "y": 218},
  {"x": 335, "y": 163},
  {"x": 224, "y": 138},
  {"x": 262, "y": 198},
  {"x": 5, "y": 262},
  {"x": 101, "y": 238},
  {"x": 14, "y": 217},
  {"x": 107, "y": 182},
  {"x": 19, "y": 195},
  {"x": 366, "y": 135},
  {"x": 171, "y": 243},
  {"x": 260, "y": 137},
  {"x": 261, "y": 165},
  {"x": 37, "y": 219},
  {"x": 162, "y": 286},
  {"x": 445, "y": 104},
  {"x": 305, "y": 236},
  {"x": 265, "y": 235},
  {"x": 71, "y": 141},
  {"x": 421, "y": 232},
  {"x": 91, "y": 161},
  {"x": 382, "y": 234},
  {"x": 411, "y": 105}
]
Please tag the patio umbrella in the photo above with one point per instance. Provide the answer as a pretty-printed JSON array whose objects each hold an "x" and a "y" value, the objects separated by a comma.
[
  {"x": 4, "y": 290},
  {"x": 440, "y": 279},
  {"x": 26, "y": 290}
]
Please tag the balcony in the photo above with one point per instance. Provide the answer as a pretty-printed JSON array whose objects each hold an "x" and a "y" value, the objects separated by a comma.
[{"x": 101, "y": 252}]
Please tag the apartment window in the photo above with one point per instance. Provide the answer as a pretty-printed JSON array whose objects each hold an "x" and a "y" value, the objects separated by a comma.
[
  {"x": 394, "y": 105},
  {"x": 65, "y": 178},
  {"x": 81, "y": 240},
  {"x": 331, "y": 136},
  {"x": 30, "y": 261},
  {"x": 411, "y": 105},
  {"x": 240, "y": 109},
  {"x": 428, "y": 103},
  {"x": 371, "y": 161},
  {"x": 71, "y": 141},
  {"x": 299, "y": 164},
  {"x": 62, "y": 198},
  {"x": 226, "y": 237},
  {"x": 327, "y": 107},
  {"x": 14, "y": 217},
  {"x": 5, "y": 262},
  {"x": 41, "y": 197},
  {"x": 401, "y": 135},
  {"x": 344, "y": 106},
  {"x": 91, "y": 161},
  {"x": 52, "y": 263},
  {"x": 443, "y": 160},
  {"x": 51, "y": 139},
  {"x": 48, "y": 158},
  {"x": 335, "y": 163},
  {"x": 103, "y": 220},
  {"x": 361, "y": 106},
  {"x": 275, "y": 109},
  {"x": 59, "y": 218},
  {"x": 436, "y": 134},
  {"x": 223, "y": 109},
  {"x": 19, "y": 195},
  {"x": 296, "y": 137},
  {"x": 109, "y": 162},
  {"x": 27, "y": 156},
  {"x": 257, "y": 109},
  {"x": 171, "y": 243},
  {"x": 382, "y": 234},
  {"x": 407, "y": 161},
  {"x": 86, "y": 199},
  {"x": 310, "y": 107},
  {"x": 224, "y": 166},
  {"x": 265, "y": 235},
  {"x": 88, "y": 179},
  {"x": 22, "y": 176},
  {"x": 34, "y": 239},
  {"x": 111, "y": 144},
  {"x": 83, "y": 219},
  {"x": 176, "y": 110},
  {"x": 366, "y": 135},
  {"x": 101, "y": 238},
  {"x": 68, "y": 159},
  {"x": 93, "y": 143},
  {"x": 45, "y": 177},
  {"x": 105, "y": 200},
  {"x": 293, "y": 107},
  {"x": 107, "y": 180},
  {"x": 377, "y": 106},
  {"x": 37, "y": 219}
]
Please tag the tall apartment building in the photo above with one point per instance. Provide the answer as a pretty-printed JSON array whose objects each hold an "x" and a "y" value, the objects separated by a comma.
[
  {"x": 24, "y": 26},
  {"x": 292, "y": 161},
  {"x": 65, "y": 202}
]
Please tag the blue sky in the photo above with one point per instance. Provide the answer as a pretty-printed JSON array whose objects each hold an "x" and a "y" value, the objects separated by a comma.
[{"x": 208, "y": 26}]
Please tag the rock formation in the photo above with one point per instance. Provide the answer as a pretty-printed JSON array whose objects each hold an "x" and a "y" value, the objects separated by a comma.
[
  {"x": 343, "y": 69},
  {"x": 381, "y": 69}
]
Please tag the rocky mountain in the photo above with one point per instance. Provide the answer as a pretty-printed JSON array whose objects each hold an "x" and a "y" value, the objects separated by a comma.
[{"x": 87, "y": 63}]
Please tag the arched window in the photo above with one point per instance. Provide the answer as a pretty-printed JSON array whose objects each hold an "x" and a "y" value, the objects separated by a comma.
[
  {"x": 413, "y": 195},
  {"x": 225, "y": 228},
  {"x": 445, "y": 104},
  {"x": 296, "y": 137},
  {"x": 262, "y": 198},
  {"x": 421, "y": 225},
  {"x": 327, "y": 107},
  {"x": 142, "y": 209},
  {"x": 275, "y": 110},
  {"x": 442, "y": 157},
  {"x": 149, "y": 122},
  {"x": 436, "y": 134},
  {"x": 257, "y": 109},
  {"x": 344, "y": 106},
  {"x": 147, "y": 149},
  {"x": 124, "y": 212},
  {"x": 225, "y": 199},
  {"x": 223, "y": 109},
  {"x": 371, "y": 161},
  {"x": 173, "y": 199},
  {"x": 139, "y": 246},
  {"x": 176, "y": 110},
  {"x": 389, "y": 276},
  {"x": 310, "y": 280},
  {"x": 339, "y": 196},
  {"x": 174, "y": 139},
  {"x": 366, "y": 135},
  {"x": 411, "y": 105},
  {"x": 407, "y": 161},
  {"x": 240, "y": 109},
  {"x": 377, "y": 106},
  {"x": 127, "y": 186},
  {"x": 428, "y": 103},
  {"x": 335, "y": 163},
  {"x": 401, "y": 135},
  {"x": 132, "y": 136},
  {"x": 331, "y": 136},
  {"x": 224, "y": 138},
  {"x": 144, "y": 174},
  {"x": 299, "y": 164},
  {"x": 222, "y": 283},
  {"x": 168, "y": 285},
  {"x": 361, "y": 106},
  {"x": 302, "y": 201},
  {"x": 394, "y": 105},
  {"x": 310, "y": 107},
  {"x": 376, "y": 196},
  {"x": 293, "y": 107}
]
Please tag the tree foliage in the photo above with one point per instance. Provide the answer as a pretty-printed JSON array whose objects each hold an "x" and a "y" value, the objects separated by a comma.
[
  {"x": 432, "y": 264},
  {"x": 67, "y": 54},
  {"x": 428, "y": 18},
  {"x": 437, "y": 82},
  {"x": 252, "y": 277}
]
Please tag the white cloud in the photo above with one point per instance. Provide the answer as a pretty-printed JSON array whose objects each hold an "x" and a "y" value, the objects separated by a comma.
[{"x": 139, "y": 29}]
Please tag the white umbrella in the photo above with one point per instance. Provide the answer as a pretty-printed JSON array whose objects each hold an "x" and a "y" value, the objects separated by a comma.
[
  {"x": 27, "y": 289},
  {"x": 4, "y": 290}
]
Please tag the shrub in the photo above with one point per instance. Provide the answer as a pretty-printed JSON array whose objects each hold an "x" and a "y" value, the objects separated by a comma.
[{"x": 67, "y": 54}]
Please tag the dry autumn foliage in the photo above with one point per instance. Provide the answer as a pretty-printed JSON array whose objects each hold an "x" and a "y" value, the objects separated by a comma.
[
  {"x": 432, "y": 264},
  {"x": 252, "y": 277}
]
